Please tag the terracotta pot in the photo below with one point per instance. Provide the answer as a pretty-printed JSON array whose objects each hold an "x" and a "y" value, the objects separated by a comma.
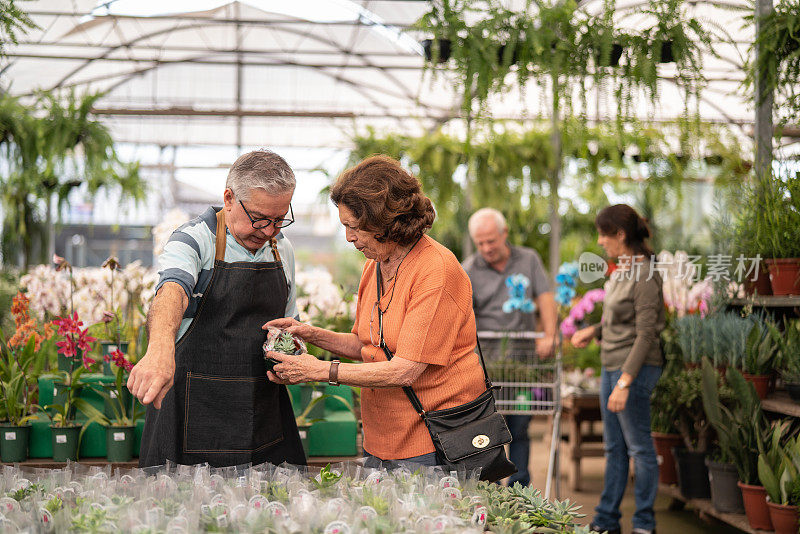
[
  {"x": 761, "y": 286},
  {"x": 784, "y": 518},
  {"x": 666, "y": 461},
  {"x": 761, "y": 383},
  {"x": 784, "y": 275},
  {"x": 755, "y": 506}
]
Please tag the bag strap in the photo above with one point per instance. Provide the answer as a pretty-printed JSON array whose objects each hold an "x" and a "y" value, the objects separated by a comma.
[{"x": 409, "y": 391}]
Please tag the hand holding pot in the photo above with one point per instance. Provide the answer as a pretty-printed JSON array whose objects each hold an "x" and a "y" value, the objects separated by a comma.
[
  {"x": 294, "y": 369},
  {"x": 293, "y": 326}
]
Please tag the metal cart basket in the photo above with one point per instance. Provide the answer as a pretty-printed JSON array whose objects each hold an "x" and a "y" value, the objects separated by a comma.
[{"x": 530, "y": 385}]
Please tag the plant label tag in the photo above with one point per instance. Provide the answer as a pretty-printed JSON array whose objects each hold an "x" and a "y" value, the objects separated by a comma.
[
  {"x": 258, "y": 502},
  {"x": 11, "y": 436},
  {"x": 302, "y": 434},
  {"x": 61, "y": 438},
  {"x": 119, "y": 436},
  {"x": 112, "y": 348},
  {"x": 337, "y": 527},
  {"x": 112, "y": 394},
  {"x": 55, "y": 391},
  {"x": 479, "y": 516},
  {"x": 316, "y": 394},
  {"x": 275, "y": 509}
]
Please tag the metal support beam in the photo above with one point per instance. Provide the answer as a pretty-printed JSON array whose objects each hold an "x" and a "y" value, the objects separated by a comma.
[{"x": 764, "y": 103}]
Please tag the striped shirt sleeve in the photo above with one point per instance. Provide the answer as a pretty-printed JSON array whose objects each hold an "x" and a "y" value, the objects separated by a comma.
[{"x": 181, "y": 261}]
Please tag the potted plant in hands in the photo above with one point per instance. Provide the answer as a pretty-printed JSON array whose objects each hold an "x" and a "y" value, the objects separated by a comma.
[
  {"x": 121, "y": 426},
  {"x": 74, "y": 347},
  {"x": 112, "y": 320},
  {"x": 762, "y": 350},
  {"x": 740, "y": 426}
]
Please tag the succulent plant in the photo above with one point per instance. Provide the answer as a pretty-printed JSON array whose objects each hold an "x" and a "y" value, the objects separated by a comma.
[{"x": 285, "y": 344}]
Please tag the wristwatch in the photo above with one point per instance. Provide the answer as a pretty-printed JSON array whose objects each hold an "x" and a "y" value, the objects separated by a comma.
[
  {"x": 333, "y": 375},
  {"x": 622, "y": 384}
]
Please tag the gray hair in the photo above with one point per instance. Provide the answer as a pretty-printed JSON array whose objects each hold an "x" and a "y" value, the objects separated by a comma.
[
  {"x": 260, "y": 169},
  {"x": 486, "y": 213}
]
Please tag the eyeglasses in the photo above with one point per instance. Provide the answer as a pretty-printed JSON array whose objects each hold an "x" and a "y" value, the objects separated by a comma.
[{"x": 258, "y": 224}]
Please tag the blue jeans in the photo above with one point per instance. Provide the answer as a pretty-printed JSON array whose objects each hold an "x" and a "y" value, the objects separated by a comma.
[
  {"x": 520, "y": 448},
  {"x": 627, "y": 434}
]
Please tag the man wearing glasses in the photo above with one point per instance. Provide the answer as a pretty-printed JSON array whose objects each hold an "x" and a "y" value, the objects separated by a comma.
[{"x": 222, "y": 276}]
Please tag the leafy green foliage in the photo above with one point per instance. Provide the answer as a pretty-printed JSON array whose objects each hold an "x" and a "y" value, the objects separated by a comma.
[
  {"x": 12, "y": 22},
  {"x": 790, "y": 349},
  {"x": 54, "y": 146},
  {"x": 778, "y": 64},
  {"x": 520, "y": 508},
  {"x": 762, "y": 349},
  {"x": 739, "y": 422},
  {"x": 21, "y": 494}
]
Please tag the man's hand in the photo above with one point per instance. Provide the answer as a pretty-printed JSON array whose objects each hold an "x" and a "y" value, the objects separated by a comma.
[
  {"x": 152, "y": 377},
  {"x": 293, "y": 326},
  {"x": 582, "y": 337},
  {"x": 545, "y": 346}
]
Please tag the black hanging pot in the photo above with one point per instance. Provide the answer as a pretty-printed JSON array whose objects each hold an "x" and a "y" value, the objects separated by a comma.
[
  {"x": 665, "y": 54},
  {"x": 444, "y": 49},
  {"x": 692, "y": 473}
]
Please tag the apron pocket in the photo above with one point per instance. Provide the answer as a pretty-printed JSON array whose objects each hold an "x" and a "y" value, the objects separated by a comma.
[{"x": 231, "y": 414}]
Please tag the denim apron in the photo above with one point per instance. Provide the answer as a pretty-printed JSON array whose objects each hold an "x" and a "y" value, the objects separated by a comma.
[{"x": 222, "y": 409}]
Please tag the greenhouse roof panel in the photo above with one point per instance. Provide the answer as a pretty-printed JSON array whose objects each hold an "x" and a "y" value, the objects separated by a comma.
[{"x": 308, "y": 71}]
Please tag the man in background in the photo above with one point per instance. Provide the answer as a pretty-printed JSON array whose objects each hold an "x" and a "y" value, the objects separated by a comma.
[{"x": 509, "y": 284}]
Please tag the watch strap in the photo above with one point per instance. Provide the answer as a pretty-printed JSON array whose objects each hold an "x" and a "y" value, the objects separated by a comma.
[{"x": 333, "y": 375}]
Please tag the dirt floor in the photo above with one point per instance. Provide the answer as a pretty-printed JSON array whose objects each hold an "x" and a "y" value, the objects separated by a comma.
[{"x": 667, "y": 521}]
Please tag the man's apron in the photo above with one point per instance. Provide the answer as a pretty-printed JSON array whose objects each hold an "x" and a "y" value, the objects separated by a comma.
[{"x": 222, "y": 409}]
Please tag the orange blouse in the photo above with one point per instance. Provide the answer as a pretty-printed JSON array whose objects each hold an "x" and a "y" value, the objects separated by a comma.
[{"x": 430, "y": 320}]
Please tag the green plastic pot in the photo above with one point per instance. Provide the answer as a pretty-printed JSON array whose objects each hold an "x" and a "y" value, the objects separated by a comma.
[
  {"x": 14, "y": 442},
  {"x": 119, "y": 443},
  {"x": 65, "y": 443}
]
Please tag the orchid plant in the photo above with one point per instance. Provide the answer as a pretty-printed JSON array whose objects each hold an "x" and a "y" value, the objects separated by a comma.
[
  {"x": 75, "y": 347},
  {"x": 579, "y": 311},
  {"x": 21, "y": 360}
]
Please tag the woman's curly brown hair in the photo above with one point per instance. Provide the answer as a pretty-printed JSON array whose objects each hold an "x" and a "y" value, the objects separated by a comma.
[{"x": 386, "y": 199}]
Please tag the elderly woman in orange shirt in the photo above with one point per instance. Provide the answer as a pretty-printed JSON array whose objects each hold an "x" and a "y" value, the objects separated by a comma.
[{"x": 426, "y": 306}]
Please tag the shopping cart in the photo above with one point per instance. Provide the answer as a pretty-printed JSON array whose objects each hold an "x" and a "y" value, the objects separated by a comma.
[{"x": 530, "y": 385}]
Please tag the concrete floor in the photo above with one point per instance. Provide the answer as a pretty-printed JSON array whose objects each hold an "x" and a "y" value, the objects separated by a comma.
[{"x": 592, "y": 469}]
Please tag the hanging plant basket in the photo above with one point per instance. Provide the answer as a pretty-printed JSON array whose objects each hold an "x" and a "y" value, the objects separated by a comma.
[{"x": 445, "y": 51}]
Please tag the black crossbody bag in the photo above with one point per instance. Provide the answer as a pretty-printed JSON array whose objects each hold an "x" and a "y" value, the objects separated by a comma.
[{"x": 471, "y": 435}]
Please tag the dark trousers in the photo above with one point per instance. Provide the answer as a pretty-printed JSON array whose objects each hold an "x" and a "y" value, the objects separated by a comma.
[{"x": 520, "y": 448}]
